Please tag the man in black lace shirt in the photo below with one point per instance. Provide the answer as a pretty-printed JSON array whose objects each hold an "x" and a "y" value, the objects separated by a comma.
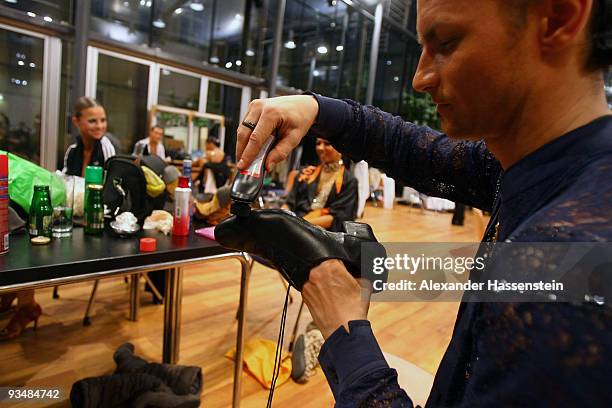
[{"x": 519, "y": 88}]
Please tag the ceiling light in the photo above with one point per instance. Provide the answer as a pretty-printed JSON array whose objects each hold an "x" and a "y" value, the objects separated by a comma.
[
  {"x": 322, "y": 49},
  {"x": 250, "y": 53},
  {"x": 11, "y": 1},
  {"x": 149, "y": 4},
  {"x": 214, "y": 60},
  {"x": 30, "y": 14},
  {"x": 178, "y": 11},
  {"x": 20, "y": 63},
  {"x": 159, "y": 23},
  {"x": 1, "y": 97},
  {"x": 290, "y": 45},
  {"x": 389, "y": 62},
  {"x": 165, "y": 71},
  {"x": 339, "y": 48},
  {"x": 238, "y": 63},
  {"x": 47, "y": 19},
  {"x": 143, "y": 3},
  {"x": 228, "y": 65},
  {"x": 32, "y": 65},
  {"x": 396, "y": 78},
  {"x": 24, "y": 83},
  {"x": 316, "y": 73},
  {"x": 196, "y": 5}
]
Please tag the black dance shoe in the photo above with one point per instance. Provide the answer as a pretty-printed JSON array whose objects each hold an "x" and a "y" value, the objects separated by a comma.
[{"x": 295, "y": 246}]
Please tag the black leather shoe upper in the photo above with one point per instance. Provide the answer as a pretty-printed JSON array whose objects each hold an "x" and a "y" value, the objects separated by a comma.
[{"x": 293, "y": 245}]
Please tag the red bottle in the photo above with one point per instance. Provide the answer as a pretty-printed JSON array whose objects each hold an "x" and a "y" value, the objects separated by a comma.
[{"x": 182, "y": 219}]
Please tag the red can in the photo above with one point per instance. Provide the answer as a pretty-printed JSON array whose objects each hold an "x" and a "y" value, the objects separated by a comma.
[
  {"x": 4, "y": 204},
  {"x": 4, "y": 224}
]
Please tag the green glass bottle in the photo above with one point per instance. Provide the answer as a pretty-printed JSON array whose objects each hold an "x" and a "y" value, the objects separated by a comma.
[
  {"x": 94, "y": 210},
  {"x": 41, "y": 212},
  {"x": 93, "y": 175}
]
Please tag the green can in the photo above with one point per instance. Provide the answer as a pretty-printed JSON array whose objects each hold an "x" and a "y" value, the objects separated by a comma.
[
  {"x": 41, "y": 212},
  {"x": 94, "y": 210}
]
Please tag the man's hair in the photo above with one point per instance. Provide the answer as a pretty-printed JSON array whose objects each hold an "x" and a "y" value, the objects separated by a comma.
[
  {"x": 599, "y": 55},
  {"x": 158, "y": 127}
]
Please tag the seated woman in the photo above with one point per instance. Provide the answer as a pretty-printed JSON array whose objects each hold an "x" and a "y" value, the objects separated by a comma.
[
  {"x": 92, "y": 147},
  {"x": 213, "y": 159},
  {"x": 326, "y": 195}
]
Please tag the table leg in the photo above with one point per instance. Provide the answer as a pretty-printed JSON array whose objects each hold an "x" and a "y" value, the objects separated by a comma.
[
  {"x": 172, "y": 315},
  {"x": 245, "y": 261},
  {"x": 134, "y": 297}
]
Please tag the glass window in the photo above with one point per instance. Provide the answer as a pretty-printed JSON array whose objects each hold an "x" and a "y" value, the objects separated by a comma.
[
  {"x": 183, "y": 27},
  {"x": 122, "y": 89},
  {"x": 124, "y": 21},
  {"x": 21, "y": 85},
  {"x": 259, "y": 29},
  {"x": 391, "y": 72},
  {"x": 325, "y": 48},
  {"x": 56, "y": 10},
  {"x": 227, "y": 33},
  {"x": 178, "y": 90},
  {"x": 225, "y": 100},
  {"x": 355, "y": 61},
  {"x": 64, "y": 139},
  {"x": 232, "y": 34}
]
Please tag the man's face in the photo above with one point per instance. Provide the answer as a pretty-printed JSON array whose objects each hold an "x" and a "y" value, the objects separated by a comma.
[
  {"x": 156, "y": 134},
  {"x": 474, "y": 65}
]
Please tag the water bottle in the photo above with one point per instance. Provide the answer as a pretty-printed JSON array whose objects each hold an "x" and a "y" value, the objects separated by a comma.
[{"x": 182, "y": 219}]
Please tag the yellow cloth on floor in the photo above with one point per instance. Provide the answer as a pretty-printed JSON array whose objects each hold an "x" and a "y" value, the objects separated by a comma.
[{"x": 259, "y": 361}]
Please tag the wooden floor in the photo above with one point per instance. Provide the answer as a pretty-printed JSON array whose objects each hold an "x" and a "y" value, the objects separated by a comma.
[{"x": 62, "y": 351}]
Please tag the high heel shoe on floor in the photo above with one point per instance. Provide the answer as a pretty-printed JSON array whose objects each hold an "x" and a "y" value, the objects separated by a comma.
[
  {"x": 6, "y": 302},
  {"x": 22, "y": 318}
]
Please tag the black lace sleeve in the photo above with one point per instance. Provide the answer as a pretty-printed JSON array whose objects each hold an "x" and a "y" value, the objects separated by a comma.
[{"x": 416, "y": 156}]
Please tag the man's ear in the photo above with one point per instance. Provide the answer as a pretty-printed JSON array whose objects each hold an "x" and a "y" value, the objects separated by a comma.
[{"x": 562, "y": 23}]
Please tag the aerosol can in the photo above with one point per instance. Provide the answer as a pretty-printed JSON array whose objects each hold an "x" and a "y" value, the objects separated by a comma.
[
  {"x": 182, "y": 218},
  {"x": 247, "y": 184}
]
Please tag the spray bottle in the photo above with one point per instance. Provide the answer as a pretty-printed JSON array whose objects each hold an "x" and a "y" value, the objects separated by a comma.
[
  {"x": 247, "y": 184},
  {"x": 182, "y": 220}
]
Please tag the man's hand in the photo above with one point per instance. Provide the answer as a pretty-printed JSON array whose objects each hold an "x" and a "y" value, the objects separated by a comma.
[
  {"x": 334, "y": 297},
  {"x": 290, "y": 116}
]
